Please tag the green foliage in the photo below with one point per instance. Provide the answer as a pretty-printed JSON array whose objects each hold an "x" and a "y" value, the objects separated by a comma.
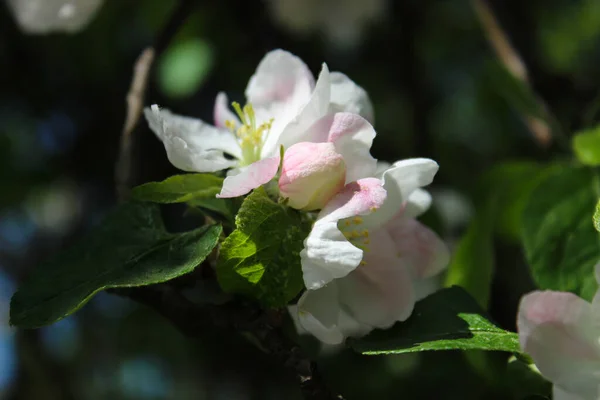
[
  {"x": 130, "y": 248},
  {"x": 508, "y": 187},
  {"x": 560, "y": 241},
  {"x": 503, "y": 193},
  {"x": 261, "y": 257},
  {"x": 472, "y": 263},
  {"x": 586, "y": 146},
  {"x": 184, "y": 66},
  {"x": 568, "y": 35},
  {"x": 518, "y": 94},
  {"x": 523, "y": 381},
  {"x": 596, "y": 217},
  {"x": 447, "y": 320},
  {"x": 197, "y": 190}
]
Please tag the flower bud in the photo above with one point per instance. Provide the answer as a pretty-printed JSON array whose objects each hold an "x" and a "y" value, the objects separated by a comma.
[{"x": 311, "y": 174}]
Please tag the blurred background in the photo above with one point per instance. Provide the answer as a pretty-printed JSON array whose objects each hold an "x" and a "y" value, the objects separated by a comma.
[{"x": 437, "y": 92}]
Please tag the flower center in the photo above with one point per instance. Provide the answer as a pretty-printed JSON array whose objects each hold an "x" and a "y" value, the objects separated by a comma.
[
  {"x": 351, "y": 229},
  {"x": 250, "y": 136}
]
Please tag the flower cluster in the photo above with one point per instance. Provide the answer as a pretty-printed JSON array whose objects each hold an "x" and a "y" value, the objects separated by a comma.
[{"x": 366, "y": 252}]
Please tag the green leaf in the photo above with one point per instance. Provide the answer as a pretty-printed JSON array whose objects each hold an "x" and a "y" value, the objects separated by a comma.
[
  {"x": 447, "y": 320},
  {"x": 587, "y": 146},
  {"x": 130, "y": 248},
  {"x": 261, "y": 257},
  {"x": 560, "y": 241},
  {"x": 184, "y": 66},
  {"x": 179, "y": 189},
  {"x": 197, "y": 190},
  {"x": 472, "y": 264},
  {"x": 502, "y": 192},
  {"x": 509, "y": 186},
  {"x": 596, "y": 217}
]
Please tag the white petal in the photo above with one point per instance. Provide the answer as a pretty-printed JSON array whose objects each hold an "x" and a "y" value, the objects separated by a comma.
[
  {"x": 279, "y": 77},
  {"x": 349, "y": 97},
  {"x": 222, "y": 112},
  {"x": 418, "y": 202},
  {"x": 318, "y": 312},
  {"x": 556, "y": 329},
  {"x": 382, "y": 166},
  {"x": 295, "y": 131},
  {"x": 427, "y": 286},
  {"x": 418, "y": 247},
  {"x": 352, "y": 136},
  {"x": 327, "y": 254},
  {"x": 45, "y": 16},
  {"x": 279, "y": 89},
  {"x": 379, "y": 292},
  {"x": 400, "y": 181},
  {"x": 191, "y": 144},
  {"x": 250, "y": 177}
]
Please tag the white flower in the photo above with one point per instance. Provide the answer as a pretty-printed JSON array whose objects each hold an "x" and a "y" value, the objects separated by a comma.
[
  {"x": 366, "y": 254},
  {"x": 341, "y": 21},
  {"x": 561, "y": 332},
  {"x": 45, "y": 16},
  {"x": 284, "y": 107}
]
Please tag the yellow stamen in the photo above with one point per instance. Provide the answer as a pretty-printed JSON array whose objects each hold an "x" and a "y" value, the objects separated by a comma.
[
  {"x": 357, "y": 220},
  {"x": 239, "y": 112},
  {"x": 229, "y": 124}
]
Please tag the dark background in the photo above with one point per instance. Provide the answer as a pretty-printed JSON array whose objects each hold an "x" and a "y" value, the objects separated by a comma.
[{"x": 430, "y": 73}]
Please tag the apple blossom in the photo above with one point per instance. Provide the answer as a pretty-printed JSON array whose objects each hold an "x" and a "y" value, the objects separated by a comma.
[
  {"x": 311, "y": 174},
  {"x": 341, "y": 21},
  {"x": 561, "y": 332},
  {"x": 284, "y": 107},
  {"x": 366, "y": 252},
  {"x": 45, "y": 16}
]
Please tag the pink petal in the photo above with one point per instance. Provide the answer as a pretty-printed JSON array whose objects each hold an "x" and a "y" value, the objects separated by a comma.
[
  {"x": 250, "y": 177},
  {"x": 556, "y": 329},
  {"x": 356, "y": 198},
  {"x": 418, "y": 247},
  {"x": 379, "y": 292},
  {"x": 327, "y": 254},
  {"x": 222, "y": 112},
  {"x": 352, "y": 136}
]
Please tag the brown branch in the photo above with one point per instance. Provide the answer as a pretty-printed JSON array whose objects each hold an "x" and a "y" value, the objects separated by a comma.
[
  {"x": 511, "y": 60},
  {"x": 135, "y": 96},
  {"x": 135, "y": 104}
]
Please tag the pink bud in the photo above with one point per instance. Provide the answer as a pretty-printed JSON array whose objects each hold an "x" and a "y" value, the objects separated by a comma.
[{"x": 311, "y": 175}]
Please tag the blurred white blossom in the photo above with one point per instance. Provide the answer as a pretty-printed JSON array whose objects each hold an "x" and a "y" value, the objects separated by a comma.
[
  {"x": 47, "y": 16},
  {"x": 342, "y": 22}
]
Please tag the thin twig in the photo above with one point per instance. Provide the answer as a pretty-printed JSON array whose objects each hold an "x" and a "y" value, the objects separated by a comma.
[
  {"x": 135, "y": 96},
  {"x": 135, "y": 104},
  {"x": 511, "y": 60}
]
